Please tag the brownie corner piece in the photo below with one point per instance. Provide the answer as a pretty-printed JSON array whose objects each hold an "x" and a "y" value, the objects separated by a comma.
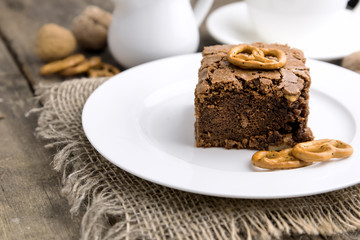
[{"x": 251, "y": 109}]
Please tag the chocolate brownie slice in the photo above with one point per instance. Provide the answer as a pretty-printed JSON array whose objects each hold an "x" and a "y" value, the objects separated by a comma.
[{"x": 252, "y": 109}]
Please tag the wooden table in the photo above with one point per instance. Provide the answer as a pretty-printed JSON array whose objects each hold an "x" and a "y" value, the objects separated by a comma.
[{"x": 31, "y": 206}]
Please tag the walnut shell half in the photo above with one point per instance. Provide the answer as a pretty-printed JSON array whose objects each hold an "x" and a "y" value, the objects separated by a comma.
[
  {"x": 91, "y": 28},
  {"x": 54, "y": 42}
]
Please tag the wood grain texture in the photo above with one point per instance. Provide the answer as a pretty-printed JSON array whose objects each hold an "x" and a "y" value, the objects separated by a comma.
[
  {"x": 30, "y": 204},
  {"x": 21, "y": 19}
]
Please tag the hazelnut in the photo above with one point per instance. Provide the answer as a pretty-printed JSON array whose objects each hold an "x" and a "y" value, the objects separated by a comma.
[
  {"x": 54, "y": 42},
  {"x": 352, "y": 62},
  {"x": 91, "y": 28}
]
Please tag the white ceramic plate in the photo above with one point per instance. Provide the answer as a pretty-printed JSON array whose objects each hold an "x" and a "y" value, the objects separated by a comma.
[
  {"x": 230, "y": 24},
  {"x": 142, "y": 120}
]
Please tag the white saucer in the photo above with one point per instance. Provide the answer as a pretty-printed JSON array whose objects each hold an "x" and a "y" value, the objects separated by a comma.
[
  {"x": 142, "y": 120},
  {"x": 230, "y": 24}
]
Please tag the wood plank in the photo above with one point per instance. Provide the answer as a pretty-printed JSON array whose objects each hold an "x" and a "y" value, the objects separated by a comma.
[
  {"x": 21, "y": 19},
  {"x": 30, "y": 204}
]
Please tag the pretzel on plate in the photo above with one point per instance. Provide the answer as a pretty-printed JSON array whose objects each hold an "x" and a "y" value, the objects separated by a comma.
[
  {"x": 322, "y": 150},
  {"x": 277, "y": 160}
]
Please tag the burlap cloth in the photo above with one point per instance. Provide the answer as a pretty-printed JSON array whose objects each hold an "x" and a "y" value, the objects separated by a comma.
[{"x": 118, "y": 205}]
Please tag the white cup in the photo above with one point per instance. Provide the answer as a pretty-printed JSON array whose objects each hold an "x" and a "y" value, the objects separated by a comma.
[{"x": 290, "y": 21}]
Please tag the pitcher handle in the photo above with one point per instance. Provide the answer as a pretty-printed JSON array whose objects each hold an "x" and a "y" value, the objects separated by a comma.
[
  {"x": 356, "y": 9},
  {"x": 201, "y": 9}
]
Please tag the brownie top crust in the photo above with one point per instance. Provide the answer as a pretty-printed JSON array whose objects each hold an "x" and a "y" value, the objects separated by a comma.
[{"x": 287, "y": 81}]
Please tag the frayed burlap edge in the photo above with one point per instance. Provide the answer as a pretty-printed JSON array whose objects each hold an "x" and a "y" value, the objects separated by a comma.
[{"x": 121, "y": 206}]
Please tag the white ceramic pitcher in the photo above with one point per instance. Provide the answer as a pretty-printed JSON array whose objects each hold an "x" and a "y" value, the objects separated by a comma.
[{"x": 145, "y": 30}]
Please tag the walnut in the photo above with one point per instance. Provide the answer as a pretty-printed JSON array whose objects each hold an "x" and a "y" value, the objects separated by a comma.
[
  {"x": 91, "y": 28},
  {"x": 54, "y": 42},
  {"x": 352, "y": 62}
]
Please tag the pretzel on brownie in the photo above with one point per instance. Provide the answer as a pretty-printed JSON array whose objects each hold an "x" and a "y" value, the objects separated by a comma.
[{"x": 250, "y": 57}]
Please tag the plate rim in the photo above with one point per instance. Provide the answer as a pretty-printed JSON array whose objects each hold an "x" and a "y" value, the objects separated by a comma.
[{"x": 86, "y": 105}]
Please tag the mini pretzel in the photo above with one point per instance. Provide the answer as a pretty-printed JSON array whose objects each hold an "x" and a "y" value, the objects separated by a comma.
[
  {"x": 322, "y": 150},
  {"x": 94, "y": 61},
  {"x": 277, "y": 160},
  {"x": 82, "y": 67},
  {"x": 60, "y": 65},
  {"x": 103, "y": 70},
  {"x": 250, "y": 57}
]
